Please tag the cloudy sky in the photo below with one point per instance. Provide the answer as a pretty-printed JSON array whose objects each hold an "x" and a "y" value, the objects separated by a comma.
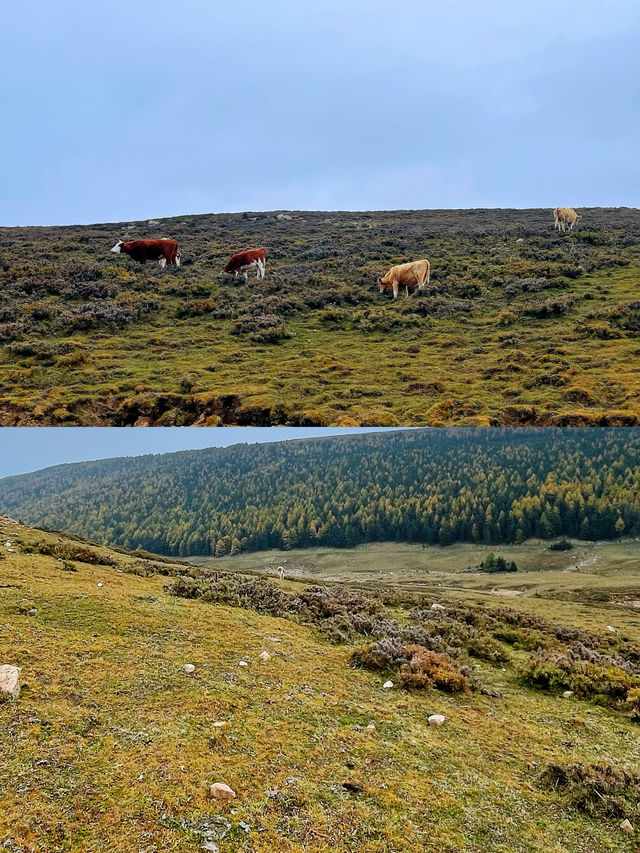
[
  {"x": 24, "y": 449},
  {"x": 131, "y": 110}
]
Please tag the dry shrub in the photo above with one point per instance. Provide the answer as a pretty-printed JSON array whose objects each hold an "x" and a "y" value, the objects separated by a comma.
[
  {"x": 426, "y": 669},
  {"x": 599, "y": 790}
]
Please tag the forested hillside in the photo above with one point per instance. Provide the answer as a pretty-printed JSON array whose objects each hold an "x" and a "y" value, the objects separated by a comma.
[{"x": 433, "y": 486}]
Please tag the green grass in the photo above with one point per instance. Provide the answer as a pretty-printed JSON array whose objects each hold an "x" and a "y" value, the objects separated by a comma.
[
  {"x": 111, "y": 747},
  {"x": 468, "y": 352}
]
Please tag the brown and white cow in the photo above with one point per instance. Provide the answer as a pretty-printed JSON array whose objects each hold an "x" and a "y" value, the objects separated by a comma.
[
  {"x": 165, "y": 251},
  {"x": 563, "y": 216},
  {"x": 249, "y": 258},
  {"x": 414, "y": 274}
]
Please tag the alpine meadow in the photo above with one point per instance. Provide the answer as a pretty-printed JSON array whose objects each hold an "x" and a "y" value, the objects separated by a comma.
[{"x": 520, "y": 323}]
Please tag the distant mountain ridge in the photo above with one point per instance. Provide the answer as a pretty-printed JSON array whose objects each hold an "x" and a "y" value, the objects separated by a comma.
[{"x": 433, "y": 486}]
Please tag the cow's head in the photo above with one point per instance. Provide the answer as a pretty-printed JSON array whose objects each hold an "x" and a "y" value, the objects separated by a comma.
[{"x": 117, "y": 248}]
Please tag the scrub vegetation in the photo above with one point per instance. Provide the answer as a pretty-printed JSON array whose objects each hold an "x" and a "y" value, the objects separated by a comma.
[
  {"x": 112, "y": 745},
  {"x": 519, "y": 325}
]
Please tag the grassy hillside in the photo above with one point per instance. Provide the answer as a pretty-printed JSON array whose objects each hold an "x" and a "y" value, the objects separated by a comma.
[
  {"x": 112, "y": 746},
  {"x": 436, "y": 486},
  {"x": 521, "y": 324}
]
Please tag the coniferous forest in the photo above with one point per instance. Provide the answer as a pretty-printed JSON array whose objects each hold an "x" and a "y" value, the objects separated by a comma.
[{"x": 435, "y": 486}]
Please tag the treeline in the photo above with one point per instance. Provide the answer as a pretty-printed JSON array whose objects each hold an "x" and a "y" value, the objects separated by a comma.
[{"x": 434, "y": 486}]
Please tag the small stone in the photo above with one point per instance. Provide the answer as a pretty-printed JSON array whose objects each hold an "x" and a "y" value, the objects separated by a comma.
[
  {"x": 436, "y": 606},
  {"x": 611, "y": 629},
  {"x": 436, "y": 720},
  {"x": 244, "y": 826},
  {"x": 188, "y": 668},
  {"x": 387, "y": 685},
  {"x": 243, "y": 663},
  {"x": 10, "y": 680},
  {"x": 264, "y": 656},
  {"x": 211, "y": 847},
  {"x": 567, "y": 694},
  {"x": 219, "y": 724},
  {"x": 100, "y": 585},
  {"x": 32, "y": 612},
  {"x": 625, "y": 826},
  {"x": 371, "y": 727},
  {"x": 222, "y": 792},
  {"x": 191, "y": 638}
]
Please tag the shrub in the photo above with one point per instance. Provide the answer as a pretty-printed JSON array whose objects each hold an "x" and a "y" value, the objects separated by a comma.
[
  {"x": 196, "y": 308},
  {"x": 426, "y": 669},
  {"x": 599, "y": 790},
  {"x": 261, "y": 328},
  {"x": 562, "y": 545}
]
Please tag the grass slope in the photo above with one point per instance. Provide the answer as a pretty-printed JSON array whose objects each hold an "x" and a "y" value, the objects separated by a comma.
[
  {"x": 111, "y": 746},
  {"x": 521, "y": 325}
]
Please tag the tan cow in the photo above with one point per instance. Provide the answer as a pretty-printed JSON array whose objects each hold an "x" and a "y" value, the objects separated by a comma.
[
  {"x": 414, "y": 274},
  {"x": 563, "y": 216}
]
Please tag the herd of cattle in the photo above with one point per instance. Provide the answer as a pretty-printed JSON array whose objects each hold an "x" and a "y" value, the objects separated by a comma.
[{"x": 414, "y": 275}]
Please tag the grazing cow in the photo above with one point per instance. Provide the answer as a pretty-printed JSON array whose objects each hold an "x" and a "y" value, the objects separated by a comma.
[
  {"x": 563, "y": 216},
  {"x": 164, "y": 251},
  {"x": 415, "y": 274},
  {"x": 250, "y": 258}
]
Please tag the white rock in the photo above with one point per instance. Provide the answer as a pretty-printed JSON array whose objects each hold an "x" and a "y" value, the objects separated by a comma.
[
  {"x": 219, "y": 724},
  {"x": 32, "y": 612},
  {"x": 611, "y": 628},
  {"x": 243, "y": 663},
  {"x": 567, "y": 694},
  {"x": 264, "y": 656},
  {"x": 625, "y": 826},
  {"x": 211, "y": 846},
  {"x": 100, "y": 586},
  {"x": 222, "y": 792},
  {"x": 436, "y": 719},
  {"x": 371, "y": 727},
  {"x": 387, "y": 685},
  {"x": 189, "y": 668},
  {"x": 10, "y": 680},
  {"x": 436, "y": 606},
  {"x": 520, "y": 240}
]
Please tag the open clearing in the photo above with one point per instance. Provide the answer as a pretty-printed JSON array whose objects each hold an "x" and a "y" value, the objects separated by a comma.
[{"x": 596, "y": 583}]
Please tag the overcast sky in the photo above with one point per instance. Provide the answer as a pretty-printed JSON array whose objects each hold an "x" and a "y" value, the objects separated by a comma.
[
  {"x": 24, "y": 449},
  {"x": 130, "y": 110}
]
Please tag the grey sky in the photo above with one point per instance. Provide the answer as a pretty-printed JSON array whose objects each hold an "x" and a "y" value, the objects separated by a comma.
[{"x": 132, "y": 110}]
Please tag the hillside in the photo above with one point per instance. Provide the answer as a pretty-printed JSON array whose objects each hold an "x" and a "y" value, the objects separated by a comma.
[
  {"x": 520, "y": 325},
  {"x": 432, "y": 486},
  {"x": 112, "y": 745}
]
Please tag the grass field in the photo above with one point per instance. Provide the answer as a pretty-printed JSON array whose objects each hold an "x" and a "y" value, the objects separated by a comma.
[
  {"x": 596, "y": 583},
  {"x": 112, "y": 747},
  {"x": 521, "y": 324}
]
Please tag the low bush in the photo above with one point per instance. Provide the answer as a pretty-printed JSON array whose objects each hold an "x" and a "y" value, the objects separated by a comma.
[{"x": 599, "y": 790}]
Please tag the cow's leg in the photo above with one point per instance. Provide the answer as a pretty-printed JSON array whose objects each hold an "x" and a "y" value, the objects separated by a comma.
[
  {"x": 395, "y": 289},
  {"x": 162, "y": 262},
  {"x": 406, "y": 289},
  {"x": 177, "y": 259}
]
